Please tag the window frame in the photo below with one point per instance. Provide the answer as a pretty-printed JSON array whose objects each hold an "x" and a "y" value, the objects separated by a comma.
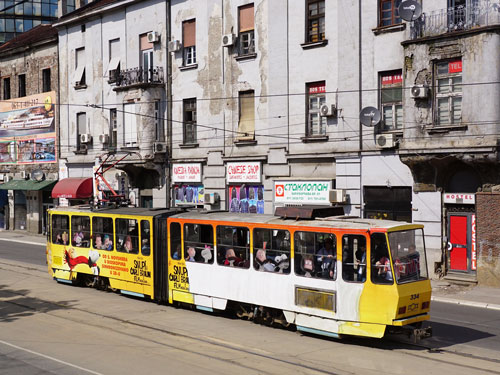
[
  {"x": 393, "y": 20},
  {"x": 223, "y": 247},
  {"x": 309, "y": 36},
  {"x": 188, "y": 243},
  {"x": 54, "y": 228},
  {"x": 102, "y": 233},
  {"x": 321, "y": 96},
  {"x": 86, "y": 231},
  {"x": 395, "y": 104},
  {"x": 347, "y": 261},
  {"x": 249, "y": 119},
  {"x": 301, "y": 252},
  {"x": 451, "y": 94},
  {"x": 272, "y": 251},
  {"x": 80, "y": 80},
  {"x": 6, "y": 88},
  {"x": 46, "y": 83},
  {"x": 188, "y": 51},
  {"x": 246, "y": 37},
  {"x": 80, "y": 115},
  {"x": 21, "y": 83},
  {"x": 120, "y": 244},
  {"x": 188, "y": 121}
]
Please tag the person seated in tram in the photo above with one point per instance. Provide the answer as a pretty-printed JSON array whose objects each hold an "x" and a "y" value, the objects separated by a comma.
[
  {"x": 326, "y": 259},
  {"x": 262, "y": 263},
  {"x": 360, "y": 263},
  {"x": 98, "y": 242},
  {"x": 231, "y": 259},
  {"x": 108, "y": 244},
  {"x": 127, "y": 245},
  {"x": 191, "y": 254}
]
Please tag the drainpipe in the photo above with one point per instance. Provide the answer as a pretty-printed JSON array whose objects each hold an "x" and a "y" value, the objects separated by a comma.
[
  {"x": 360, "y": 88},
  {"x": 168, "y": 163}
]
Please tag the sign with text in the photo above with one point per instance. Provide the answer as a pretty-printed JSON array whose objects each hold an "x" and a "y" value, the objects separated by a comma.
[
  {"x": 244, "y": 171},
  {"x": 186, "y": 172},
  {"x": 302, "y": 192},
  {"x": 473, "y": 263},
  {"x": 459, "y": 198}
]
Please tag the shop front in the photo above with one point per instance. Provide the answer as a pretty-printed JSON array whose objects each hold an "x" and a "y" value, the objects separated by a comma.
[
  {"x": 187, "y": 187},
  {"x": 244, "y": 187}
]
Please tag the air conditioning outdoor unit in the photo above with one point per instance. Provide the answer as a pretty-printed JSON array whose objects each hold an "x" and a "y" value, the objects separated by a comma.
[
  {"x": 420, "y": 92},
  {"x": 174, "y": 45},
  {"x": 228, "y": 40},
  {"x": 327, "y": 110},
  {"x": 104, "y": 138},
  {"x": 159, "y": 147},
  {"x": 211, "y": 198},
  {"x": 6, "y": 178},
  {"x": 337, "y": 196},
  {"x": 153, "y": 37},
  {"x": 85, "y": 138},
  {"x": 25, "y": 175},
  {"x": 385, "y": 140}
]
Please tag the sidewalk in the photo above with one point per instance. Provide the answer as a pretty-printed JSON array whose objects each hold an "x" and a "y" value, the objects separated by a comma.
[{"x": 442, "y": 291}]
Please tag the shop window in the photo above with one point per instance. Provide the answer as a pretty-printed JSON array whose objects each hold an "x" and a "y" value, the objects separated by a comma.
[
  {"x": 145, "y": 238},
  {"x": 46, "y": 85},
  {"x": 146, "y": 58},
  {"x": 448, "y": 88},
  {"x": 129, "y": 125},
  {"x": 388, "y": 203},
  {"x": 271, "y": 248},
  {"x": 391, "y": 95},
  {"x": 247, "y": 199},
  {"x": 246, "y": 37},
  {"x": 380, "y": 262},
  {"x": 188, "y": 195},
  {"x": 6, "y": 88},
  {"x": 79, "y": 78},
  {"x": 315, "y": 21},
  {"x": 354, "y": 258},
  {"x": 80, "y": 231},
  {"x": 21, "y": 79},
  {"x": 246, "y": 124},
  {"x": 316, "y": 255},
  {"x": 233, "y": 246},
  {"x": 60, "y": 229},
  {"x": 102, "y": 233},
  {"x": 127, "y": 236},
  {"x": 198, "y": 243},
  {"x": 389, "y": 13},
  {"x": 189, "y": 42},
  {"x": 175, "y": 241},
  {"x": 316, "y": 96},
  {"x": 189, "y": 124}
]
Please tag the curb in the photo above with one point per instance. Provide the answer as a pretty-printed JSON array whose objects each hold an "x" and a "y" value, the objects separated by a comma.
[
  {"x": 483, "y": 305},
  {"x": 21, "y": 241}
]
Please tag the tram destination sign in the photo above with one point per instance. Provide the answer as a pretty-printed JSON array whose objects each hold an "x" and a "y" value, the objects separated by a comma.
[{"x": 302, "y": 192}]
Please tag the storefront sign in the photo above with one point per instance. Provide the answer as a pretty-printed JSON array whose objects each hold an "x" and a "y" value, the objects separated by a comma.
[
  {"x": 302, "y": 192},
  {"x": 459, "y": 198},
  {"x": 244, "y": 172},
  {"x": 455, "y": 66},
  {"x": 186, "y": 172},
  {"x": 473, "y": 264}
]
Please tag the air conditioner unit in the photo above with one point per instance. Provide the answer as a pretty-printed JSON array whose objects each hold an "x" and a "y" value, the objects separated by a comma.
[
  {"x": 211, "y": 198},
  {"x": 104, "y": 138},
  {"x": 174, "y": 46},
  {"x": 327, "y": 110},
  {"x": 25, "y": 175},
  {"x": 228, "y": 40},
  {"x": 337, "y": 196},
  {"x": 385, "y": 140},
  {"x": 85, "y": 138},
  {"x": 159, "y": 147},
  {"x": 420, "y": 92},
  {"x": 7, "y": 178},
  {"x": 153, "y": 37}
]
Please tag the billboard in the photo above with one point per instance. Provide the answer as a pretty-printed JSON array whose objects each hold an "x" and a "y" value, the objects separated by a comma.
[{"x": 28, "y": 130}]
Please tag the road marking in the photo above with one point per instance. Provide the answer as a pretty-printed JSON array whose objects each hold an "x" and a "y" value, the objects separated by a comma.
[
  {"x": 51, "y": 358},
  {"x": 21, "y": 241}
]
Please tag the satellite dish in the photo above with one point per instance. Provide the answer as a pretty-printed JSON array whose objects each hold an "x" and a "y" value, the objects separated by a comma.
[
  {"x": 370, "y": 116},
  {"x": 410, "y": 10}
]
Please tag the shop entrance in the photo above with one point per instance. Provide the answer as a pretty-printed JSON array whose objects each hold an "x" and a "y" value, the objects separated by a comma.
[{"x": 461, "y": 241}]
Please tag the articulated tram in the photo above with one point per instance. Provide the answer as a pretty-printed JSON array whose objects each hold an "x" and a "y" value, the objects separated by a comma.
[{"x": 332, "y": 275}]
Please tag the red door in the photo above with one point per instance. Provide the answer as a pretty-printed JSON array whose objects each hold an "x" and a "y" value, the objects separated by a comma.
[{"x": 458, "y": 242}]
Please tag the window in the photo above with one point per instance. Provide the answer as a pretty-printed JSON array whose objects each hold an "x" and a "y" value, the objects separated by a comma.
[
  {"x": 22, "y": 85},
  {"x": 246, "y": 35},
  {"x": 146, "y": 58},
  {"x": 79, "y": 77},
  {"x": 315, "y": 21},
  {"x": 189, "y": 42},
  {"x": 389, "y": 14},
  {"x": 381, "y": 272},
  {"x": 388, "y": 203},
  {"x": 233, "y": 246},
  {"x": 246, "y": 124},
  {"x": 354, "y": 258},
  {"x": 448, "y": 89},
  {"x": 81, "y": 124},
  {"x": 46, "y": 86},
  {"x": 127, "y": 236},
  {"x": 316, "y": 125},
  {"x": 408, "y": 256},
  {"x": 316, "y": 255},
  {"x": 159, "y": 128},
  {"x": 80, "y": 231},
  {"x": 198, "y": 243},
  {"x": 129, "y": 125},
  {"x": 175, "y": 241},
  {"x": 391, "y": 95},
  {"x": 60, "y": 229},
  {"x": 145, "y": 238},
  {"x": 271, "y": 248},
  {"x": 6, "y": 88},
  {"x": 102, "y": 230},
  {"x": 113, "y": 128},
  {"x": 462, "y": 14},
  {"x": 189, "y": 120},
  {"x": 114, "y": 60}
]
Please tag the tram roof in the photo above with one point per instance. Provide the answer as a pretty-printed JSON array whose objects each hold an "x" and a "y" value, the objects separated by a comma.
[{"x": 132, "y": 211}]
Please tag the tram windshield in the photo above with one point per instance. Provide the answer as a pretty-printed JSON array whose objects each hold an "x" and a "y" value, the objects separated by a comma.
[{"x": 408, "y": 255}]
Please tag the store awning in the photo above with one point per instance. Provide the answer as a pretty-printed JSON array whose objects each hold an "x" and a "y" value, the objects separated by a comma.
[
  {"x": 73, "y": 188},
  {"x": 28, "y": 185}
]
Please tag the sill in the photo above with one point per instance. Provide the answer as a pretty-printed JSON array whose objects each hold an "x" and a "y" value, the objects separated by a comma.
[
  {"x": 438, "y": 129},
  {"x": 309, "y": 45},
  {"x": 136, "y": 147},
  {"x": 80, "y": 87},
  {"x": 315, "y": 138},
  {"x": 188, "y": 67},
  {"x": 389, "y": 29},
  {"x": 80, "y": 152},
  {"x": 250, "y": 56},
  {"x": 110, "y": 81},
  {"x": 188, "y": 145},
  {"x": 245, "y": 142}
]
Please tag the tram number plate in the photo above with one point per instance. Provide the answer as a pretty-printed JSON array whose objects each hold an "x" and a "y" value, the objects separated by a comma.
[{"x": 414, "y": 297}]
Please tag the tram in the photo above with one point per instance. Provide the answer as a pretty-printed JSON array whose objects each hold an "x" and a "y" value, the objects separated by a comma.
[{"x": 330, "y": 275}]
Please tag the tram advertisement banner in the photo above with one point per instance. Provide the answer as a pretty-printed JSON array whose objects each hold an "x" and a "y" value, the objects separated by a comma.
[
  {"x": 247, "y": 199},
  {"x": 27, "y": 130}
]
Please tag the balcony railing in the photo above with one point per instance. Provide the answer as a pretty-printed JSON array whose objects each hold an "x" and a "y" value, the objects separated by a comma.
[
  {"x": 134, "y": 76},
  {"x": 479, "y": 13}
]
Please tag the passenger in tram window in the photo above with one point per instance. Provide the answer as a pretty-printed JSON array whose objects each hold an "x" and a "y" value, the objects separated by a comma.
[
  {"x": 282, "y": 264},
  {"x": 191, "y": 254},
  {"x": 307, "y": 265},
  {"x": 262, "y": 263},
  {"x": 127, "y": 246},
  {"x": 231, "y": 259},
  {"x": 108, "y": 244},
  {"x": 98, "y": 242},
  {"x": 326, "y": 257},
  {"x": 360, "y": 263},
  {"x": 206, "y": 254}
]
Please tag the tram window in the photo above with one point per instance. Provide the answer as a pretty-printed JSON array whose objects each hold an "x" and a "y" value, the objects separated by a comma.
[
  {"x": 233, "y": 246},
  {"x": 145, "y": 238},
  {"x": 354, "y": 258},
  {"x": 316, "y": 255},
  {"x": 175, "y": 241},
  {"x": 102, "y": 233},
  {"x": 380, "y": 262},
  {"x": 60, "y": 229},
  {"x": 127, "y": 236},
  {"x": 199, "y": 243},
  {"x": 271, "y": 250},
  {"x": 80, "y": 231}
]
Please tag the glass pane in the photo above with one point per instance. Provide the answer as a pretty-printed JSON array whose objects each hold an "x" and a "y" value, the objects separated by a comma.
[
  {"x": 394, "y": 94},
  {"x": 37, "y": 9},
  {"x": 19, "y": 10},
  {"x": 2, "y": 25},
  {"x": 53, "y": 10},
  {"x": 443, "y": 85},
  {"x": 388, "y": 116},
  {"x": 456, "y": 110},
  {"x": 19, "y": 25},
  {"x": 28, "y": 9},
  {"x": 442, "y": 68},
  {"x": 28, "y": 24},
  {"x": 313, "y": 9},
  {"x": 46, "y": 10},
  {"x": 8, "y": 4},
  {"x": 399, "y": 116},
  {"x": 9, "y": 25},
  {"x": 456, "y": 84},
  {"x": 443, "y": 111}
]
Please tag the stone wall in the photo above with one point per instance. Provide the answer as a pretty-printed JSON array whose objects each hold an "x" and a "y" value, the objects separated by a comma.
[{"x": 488, "y": 238}]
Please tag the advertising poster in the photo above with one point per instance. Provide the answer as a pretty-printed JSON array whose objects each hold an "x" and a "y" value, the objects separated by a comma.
[
  {"x": 188, "y": 194},
  {"x": 247, "y": 199}
]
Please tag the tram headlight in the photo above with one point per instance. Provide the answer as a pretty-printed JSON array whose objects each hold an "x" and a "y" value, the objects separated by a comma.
[{"x": 425, "y": 305}]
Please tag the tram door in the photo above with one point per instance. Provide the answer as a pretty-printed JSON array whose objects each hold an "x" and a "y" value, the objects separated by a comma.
[{"x": 459, "y": 243}]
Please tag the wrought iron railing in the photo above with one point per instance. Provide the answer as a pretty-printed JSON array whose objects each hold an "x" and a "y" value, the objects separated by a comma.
[
  {"x": 478, "y": 13},
  {"x": 139, "y": 75}
]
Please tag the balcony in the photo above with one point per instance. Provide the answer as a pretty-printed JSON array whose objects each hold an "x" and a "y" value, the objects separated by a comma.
[
  {"x": 138, "y": 77},
  {"x": 479, "y": 13}
]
